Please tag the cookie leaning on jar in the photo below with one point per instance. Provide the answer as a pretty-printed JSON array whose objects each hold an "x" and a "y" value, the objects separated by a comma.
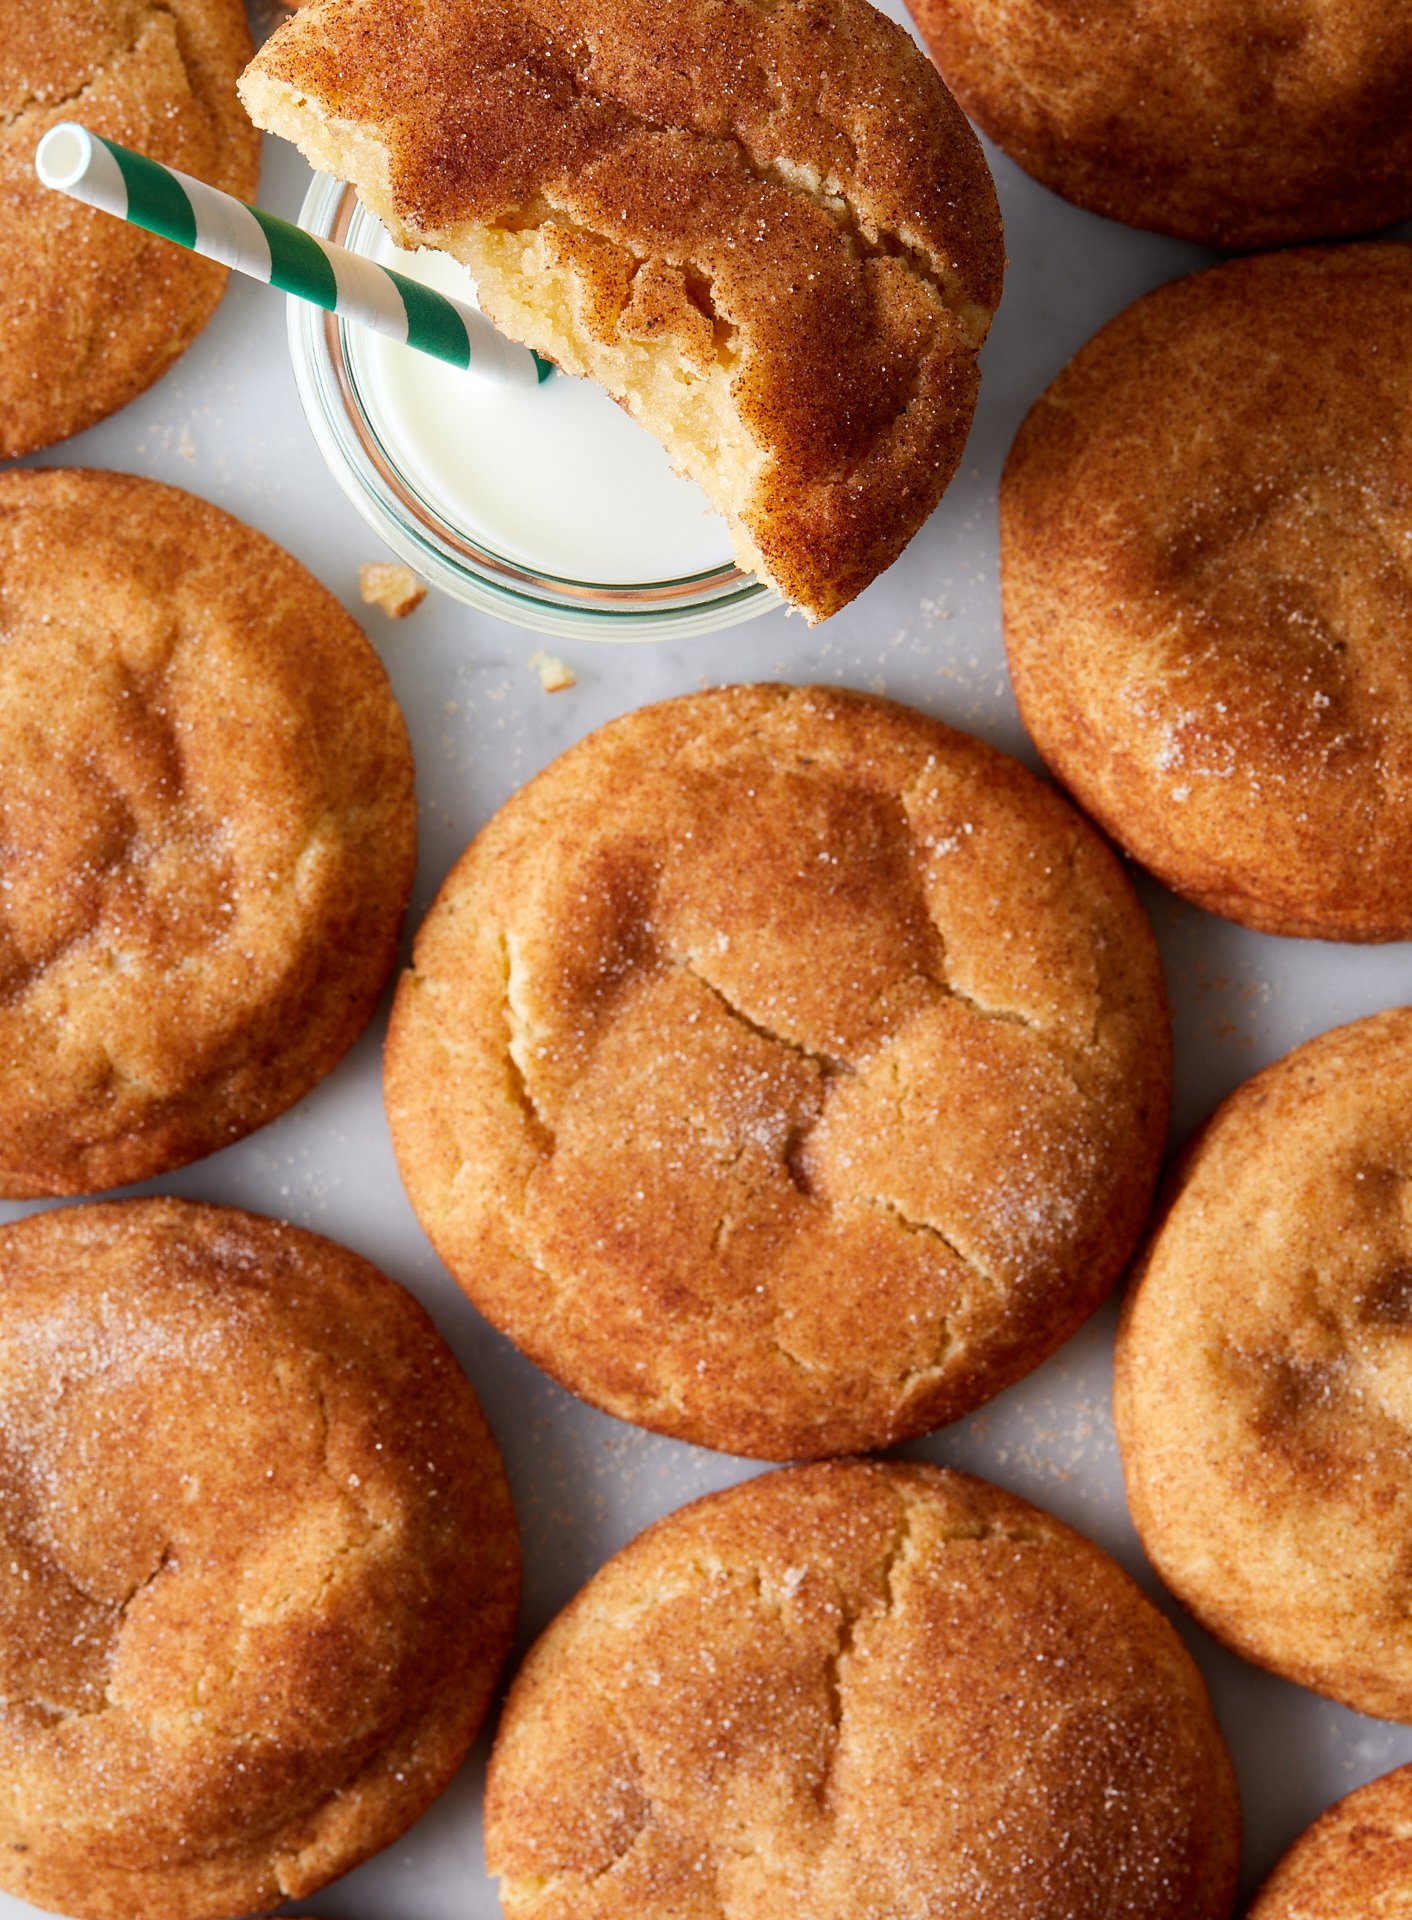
[
  {"x": 769, "y": 232},
  {"x": 783, "y": 1070}
]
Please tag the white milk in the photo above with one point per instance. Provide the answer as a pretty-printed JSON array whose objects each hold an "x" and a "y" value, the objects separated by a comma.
[{"x": 557, "y": 478}]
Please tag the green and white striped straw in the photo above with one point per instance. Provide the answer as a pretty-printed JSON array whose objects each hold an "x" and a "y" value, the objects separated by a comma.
[{"x": 116, "y": 180}]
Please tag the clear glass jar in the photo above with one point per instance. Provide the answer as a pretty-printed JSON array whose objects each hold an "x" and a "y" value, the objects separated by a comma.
[{"x": 456, "y": 559}]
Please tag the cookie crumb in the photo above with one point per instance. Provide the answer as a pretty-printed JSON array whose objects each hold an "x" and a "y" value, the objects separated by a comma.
[
  {"x": 397, "y": 590},
  {"x": 555, "y": 675}
]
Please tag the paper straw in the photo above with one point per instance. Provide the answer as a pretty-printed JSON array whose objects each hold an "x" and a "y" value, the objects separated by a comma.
[{"x": 203, "y": 219}]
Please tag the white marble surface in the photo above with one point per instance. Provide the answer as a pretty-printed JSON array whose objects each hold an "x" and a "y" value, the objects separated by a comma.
[{"x": 225, "y": 423}]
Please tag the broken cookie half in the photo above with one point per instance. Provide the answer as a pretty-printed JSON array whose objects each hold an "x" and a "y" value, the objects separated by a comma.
[{"x": 763, "y": 225}]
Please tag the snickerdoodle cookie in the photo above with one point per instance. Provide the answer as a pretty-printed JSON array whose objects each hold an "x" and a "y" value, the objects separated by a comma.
[
  {"x": 766, "y": 229},
  {"x": 207, "y": 830},
  {"x": 858, "y": 1690},
  {"x": 92, "y": 310},
  {"x": 783, "y": 1070},
  {"x": 1264, "y": 1370},
  {"x": 259, "y": 1562},
  {"x": 1354, "y": 1863},
  {"x": 1240, "y": 123},
  {"x": 1206, "y": 553}
]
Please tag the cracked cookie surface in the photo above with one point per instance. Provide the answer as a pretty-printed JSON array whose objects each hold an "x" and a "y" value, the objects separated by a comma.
[
  {"x": 859, "y": 1691},
  {"x": 258, "y": 1564},
  {"x": 1206, "y": 565},
  {"x": 93, "y": 310},
  {"x": 207, "y": 830},
  {"x": 1263, "y": 1390},
  {"x": 783, "y": 1070},
  {"x": 766, "y": 229}
]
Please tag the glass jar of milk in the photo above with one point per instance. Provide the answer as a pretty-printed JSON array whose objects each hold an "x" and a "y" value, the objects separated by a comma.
[{"x": 548, "y": 507}]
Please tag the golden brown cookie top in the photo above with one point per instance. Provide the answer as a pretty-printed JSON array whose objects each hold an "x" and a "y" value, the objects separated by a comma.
[
  {"x": 1264, "y": 1374},
  {"x": 1239, "y": 123},
  {"x": 207, "y": 830},
  {"x": 782, "y": 1070},
  {"x": 785, "y": 195},
  {"x": 259, "y": 1563},
  {"x": 75, "y": 340},
  {"x": 1354, "y": 1863},
  {"x": 1207, "y": 583},
  {"x": 860, "y": 1689}
]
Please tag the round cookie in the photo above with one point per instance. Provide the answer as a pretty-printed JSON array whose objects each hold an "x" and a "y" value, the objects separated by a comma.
[
  {"x": 1264, "y": 1370},
  {"x": 1208, "y": 589},
  {"x": 259, "y": 1563},
  {"x": 782, "y": 1070},
  {"x": 93, "y": 310},
  {"x": 1233, "y": 122},
  {"x": 857, "y": 1690},
  {"x": 1354, "y": 1863},
  {"x": 207, "y": 830}
]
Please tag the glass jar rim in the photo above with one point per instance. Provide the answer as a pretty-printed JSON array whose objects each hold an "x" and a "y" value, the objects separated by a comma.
[{"x": 446, "y": 555}]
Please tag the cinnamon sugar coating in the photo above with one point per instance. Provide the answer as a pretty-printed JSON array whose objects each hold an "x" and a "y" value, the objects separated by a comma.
[
  {"x": 259, "y": 1563},
  {"x": 855, "y": 1691},
  {"x": 1264, "y": 1374},
  {"x": 1354, "y": 1863},
  {"x": 782, "y": 1070},
  {"x": 1238, "y": 123},
  {"x": 1206, "y": 559},
  {"x": 93, "y": 310},
  {"x": 766, "y": 228},
  {"x": 207, "y": 830}
]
